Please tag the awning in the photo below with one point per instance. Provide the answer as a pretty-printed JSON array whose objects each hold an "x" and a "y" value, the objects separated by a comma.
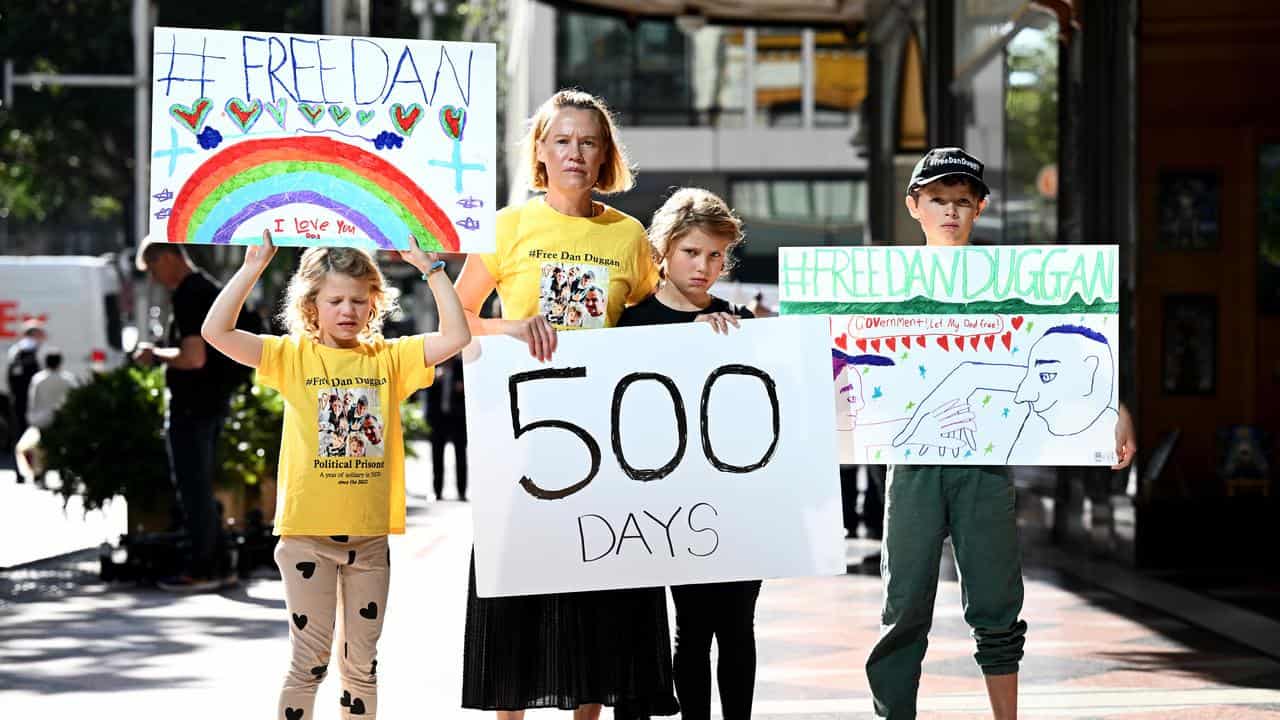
[{"x": 845, "y": 13}]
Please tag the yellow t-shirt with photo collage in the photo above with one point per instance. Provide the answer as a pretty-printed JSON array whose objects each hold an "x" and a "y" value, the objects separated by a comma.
[
  {"x": 342, "y": 451},
  {"x": 578, "y": 272}
]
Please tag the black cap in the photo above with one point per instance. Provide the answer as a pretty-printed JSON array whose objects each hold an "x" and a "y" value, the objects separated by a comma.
[{"x": 941, "y": 162}]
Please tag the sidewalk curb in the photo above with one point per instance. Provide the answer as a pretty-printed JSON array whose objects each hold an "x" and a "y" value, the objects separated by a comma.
[
  {"x": 53, "y": 559},
  {"x": 1242, "y": 626}
]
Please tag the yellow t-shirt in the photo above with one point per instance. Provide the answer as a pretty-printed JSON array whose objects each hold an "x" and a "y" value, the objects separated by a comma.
[
  {"x": 342, "y": 452},
  {"x": 578, "y": 272}
]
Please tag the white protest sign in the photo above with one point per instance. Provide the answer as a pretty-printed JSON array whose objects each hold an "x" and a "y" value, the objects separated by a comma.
[
  {"x": 322, "y": 140},
  {"x": 966, "y": 355},
  {"x": 652, "y": 456}
]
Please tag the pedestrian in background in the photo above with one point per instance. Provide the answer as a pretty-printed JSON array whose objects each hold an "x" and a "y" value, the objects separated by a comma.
[
  {"x": 21, "y": 367},
  {"x": 200, "y": 382},
  {"x": 48, "y": 391},
  {"x": 447, "y": 421}
]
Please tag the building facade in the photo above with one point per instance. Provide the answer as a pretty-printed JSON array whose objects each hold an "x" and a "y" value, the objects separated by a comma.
[{"x": 766, "y": 117}]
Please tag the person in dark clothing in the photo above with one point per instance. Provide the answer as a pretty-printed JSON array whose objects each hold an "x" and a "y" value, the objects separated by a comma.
[
  {"x": 22, "y": 365},
  {"x": 692, "y": 235},
  {"x": 871, "y": 516},
  {"x": 446, "y": 417},
  {"x": 200, "y": 382}
]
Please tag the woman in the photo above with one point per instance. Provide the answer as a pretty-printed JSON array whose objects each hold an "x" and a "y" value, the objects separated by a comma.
[{"x": 578, "y": 650}]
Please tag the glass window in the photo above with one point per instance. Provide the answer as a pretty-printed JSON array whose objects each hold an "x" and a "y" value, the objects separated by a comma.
[
  {"x": 839, "y": 78},
  {"x": 1031, "y": 137},
  {"x": 1010, "y": 96},
  {"x": 784, "y": 212},
  {"x": 779, "y": 75},
  {"x": 719, "y": 79},
  {"x": 979, "y": 22},
  {"x": 655, "y": 74},
  {"x": 652, "y": 73}
]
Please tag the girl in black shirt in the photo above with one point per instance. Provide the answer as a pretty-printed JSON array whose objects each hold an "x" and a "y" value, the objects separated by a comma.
[{"x": 692, "y": 235}]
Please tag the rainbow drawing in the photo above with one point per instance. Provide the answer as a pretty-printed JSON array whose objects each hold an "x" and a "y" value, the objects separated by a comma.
[{"x": 253, "y": 177}]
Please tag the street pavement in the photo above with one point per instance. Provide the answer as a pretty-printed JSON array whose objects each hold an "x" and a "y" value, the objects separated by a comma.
[
  {"x": 73, "y": 647},
  {"x": 34, "y": 525}
]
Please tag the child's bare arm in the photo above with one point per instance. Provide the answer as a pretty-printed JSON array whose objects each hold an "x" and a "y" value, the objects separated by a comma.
[
  {"x": 219, "y": 328},
  {"x": 454, "y": 334}
]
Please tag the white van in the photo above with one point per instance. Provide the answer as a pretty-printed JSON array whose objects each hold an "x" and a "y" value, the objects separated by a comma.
[{"x": 78, "y": 298}]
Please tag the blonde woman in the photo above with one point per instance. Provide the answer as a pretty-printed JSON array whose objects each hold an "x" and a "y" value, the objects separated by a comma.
[{"x": 573, "y": 651}]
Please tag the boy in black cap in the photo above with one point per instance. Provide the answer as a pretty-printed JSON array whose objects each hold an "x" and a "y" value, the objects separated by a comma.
[{"x": 972, "y": 504}]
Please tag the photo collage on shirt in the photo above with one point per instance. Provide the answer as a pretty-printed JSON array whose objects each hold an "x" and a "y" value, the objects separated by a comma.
[
  {"x": 350, "y": 423},
  {"x": 574, "y": 295}
]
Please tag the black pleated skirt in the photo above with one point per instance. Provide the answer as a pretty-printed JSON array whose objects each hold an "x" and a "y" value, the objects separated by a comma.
[{"x": 610, "y": 647}]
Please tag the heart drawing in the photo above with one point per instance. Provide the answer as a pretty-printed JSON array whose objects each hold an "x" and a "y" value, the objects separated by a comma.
[
  {"x": 244, "y": 114},
  {"x": 193, "y": 116},
  {"x": 404, "y": 119},
  {"x": 453, "y": 120}
]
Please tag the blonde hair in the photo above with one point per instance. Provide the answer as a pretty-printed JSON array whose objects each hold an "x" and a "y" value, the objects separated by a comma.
[
  {"x": 615, "y": 175},
  {"x": 688, "y": 209},
  {"x": 300, "y": 315}
]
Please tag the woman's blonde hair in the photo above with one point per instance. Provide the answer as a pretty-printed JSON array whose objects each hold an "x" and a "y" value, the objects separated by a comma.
[
  {"x": 688, "y": 209},
  {"x": 300, "y": 315},
  {"x": 615, "y": 175}
]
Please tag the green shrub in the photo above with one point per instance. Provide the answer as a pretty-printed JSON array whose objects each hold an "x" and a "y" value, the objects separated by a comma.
[
  {"x": 108, "y": 439},
  {"x": 249, "y": 444}
]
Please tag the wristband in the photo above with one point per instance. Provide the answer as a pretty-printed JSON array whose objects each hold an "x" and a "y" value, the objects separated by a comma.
[{"x": 436, "y": 267}]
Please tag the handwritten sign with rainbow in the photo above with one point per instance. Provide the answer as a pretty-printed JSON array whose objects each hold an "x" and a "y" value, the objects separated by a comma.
[{"x": 323, "y": 140}]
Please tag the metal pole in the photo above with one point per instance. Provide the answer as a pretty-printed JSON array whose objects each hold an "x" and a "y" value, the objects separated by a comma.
[
  {"x": 36, "y": 80},
  {"x": 141, "y": 115}
]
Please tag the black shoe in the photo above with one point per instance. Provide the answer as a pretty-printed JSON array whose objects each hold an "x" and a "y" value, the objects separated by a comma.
[{"x": 186, "y": 584}]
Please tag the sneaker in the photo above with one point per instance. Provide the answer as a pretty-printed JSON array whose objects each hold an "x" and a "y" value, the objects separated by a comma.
[{"x": 187, "y": 584}]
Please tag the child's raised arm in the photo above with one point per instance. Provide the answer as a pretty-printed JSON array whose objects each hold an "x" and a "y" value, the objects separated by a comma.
[
  {"x": 453, "y": 334},
  {"x": 219, "y": 329}
]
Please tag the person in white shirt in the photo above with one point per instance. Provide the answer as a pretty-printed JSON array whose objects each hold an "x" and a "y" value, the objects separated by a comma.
[{"x": 49, "y": 389}]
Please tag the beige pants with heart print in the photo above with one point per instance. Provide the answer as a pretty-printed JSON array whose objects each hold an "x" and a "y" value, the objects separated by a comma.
[{"x": 328, "y": 581}]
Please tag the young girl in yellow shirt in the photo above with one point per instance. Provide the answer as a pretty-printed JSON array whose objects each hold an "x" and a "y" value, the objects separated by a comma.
[{"x": 340, "y": 491}]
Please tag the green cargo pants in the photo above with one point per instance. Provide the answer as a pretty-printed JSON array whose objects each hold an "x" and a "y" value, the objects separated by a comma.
[{"x": 923, "y": 504}]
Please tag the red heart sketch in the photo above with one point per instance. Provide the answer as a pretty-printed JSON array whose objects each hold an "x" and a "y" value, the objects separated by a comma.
[
  {"x": 1007, "y": 339},
  {"x": 406, "y": 121},
  {"x": 973, "y": 342},
  {"x": 991, "y": 342},
  {"x": 193, "y": 116},
  {"x": 875, "y": 344},
  {"x": 243, "y": 114},
  {"x": 861, "y": 343},
  {"x": 942, "y": 343},
  {"x": 843, "y": 341},
  {"x": 920, "y": 340},
  {"x": 892, "y": 343},
  {"x": 1016, "y": 322}
]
